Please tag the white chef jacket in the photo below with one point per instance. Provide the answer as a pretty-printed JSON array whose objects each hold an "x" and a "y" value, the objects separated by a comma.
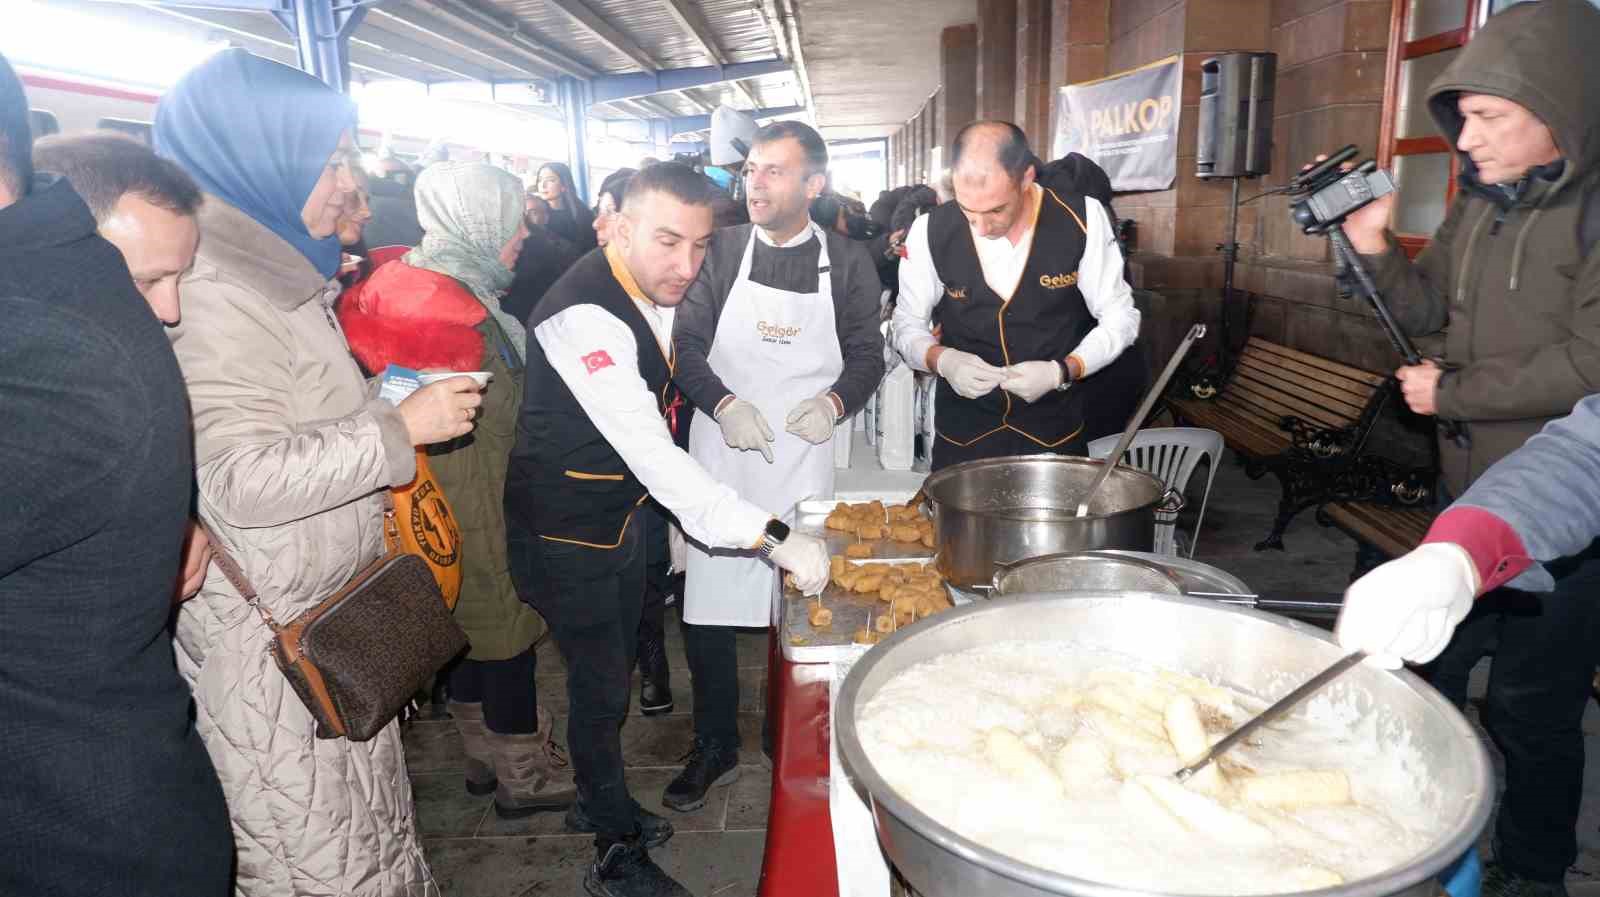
[
  {"x": 1100, "y": 280},
  {"x": 620, "y": 405}
]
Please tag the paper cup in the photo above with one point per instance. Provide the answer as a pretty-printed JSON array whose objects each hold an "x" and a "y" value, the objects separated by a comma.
[{"x": 482, "y": 377}]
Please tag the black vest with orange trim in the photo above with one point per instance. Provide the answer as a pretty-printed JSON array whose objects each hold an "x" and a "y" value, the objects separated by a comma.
[
  {"x": 565, "y": 482},
  {"x": 1043, "y": 319}
]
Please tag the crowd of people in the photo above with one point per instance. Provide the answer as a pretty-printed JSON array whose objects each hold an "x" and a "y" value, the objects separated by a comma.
[{"x": 193, "y": 365}]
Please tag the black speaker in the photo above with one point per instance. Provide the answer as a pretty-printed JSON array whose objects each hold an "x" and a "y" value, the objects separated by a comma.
[{"x": 1235, "y": 137}]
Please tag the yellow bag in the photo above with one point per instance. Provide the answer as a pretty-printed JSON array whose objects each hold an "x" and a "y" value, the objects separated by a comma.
[{"x": 428, "y": 529}]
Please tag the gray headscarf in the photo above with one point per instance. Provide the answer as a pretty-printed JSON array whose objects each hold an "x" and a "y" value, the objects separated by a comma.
[{"x": 469, "y": 212}]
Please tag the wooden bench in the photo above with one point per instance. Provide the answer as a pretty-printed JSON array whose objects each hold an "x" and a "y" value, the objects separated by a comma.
[
  {"x": 1295, "y": 415},
  {"x": 1391, "y": 529}
]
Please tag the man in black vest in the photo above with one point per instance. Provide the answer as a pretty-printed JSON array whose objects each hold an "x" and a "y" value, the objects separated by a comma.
[
  {"x": 1029, "y": 287},
  {"x": 594, "y": 441}
]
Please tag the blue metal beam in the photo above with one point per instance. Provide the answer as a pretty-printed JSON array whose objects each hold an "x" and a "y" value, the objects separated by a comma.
[
  {"x": 322, "y": 36},
  {"x": 575, "y": 105},
  {"x": 642, "y": 84},
  {"x": 683, "y": 124}
]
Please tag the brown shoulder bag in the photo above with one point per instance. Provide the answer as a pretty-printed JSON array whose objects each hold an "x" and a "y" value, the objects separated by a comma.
[{"x": 358, "y": 656}]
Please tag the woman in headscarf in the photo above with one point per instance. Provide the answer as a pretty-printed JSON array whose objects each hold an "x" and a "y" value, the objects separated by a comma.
[
  {"x": 293, "y": 458},
  {"x": 438, "y": 307},
  {"x": 569, "y": 217}
]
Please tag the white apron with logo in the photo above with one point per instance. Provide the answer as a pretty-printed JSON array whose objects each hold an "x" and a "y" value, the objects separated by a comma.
[{"x": 773, "y": 349}]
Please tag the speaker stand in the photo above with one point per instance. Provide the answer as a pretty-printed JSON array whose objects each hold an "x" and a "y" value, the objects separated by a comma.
[{"x": 1230, "y": 254}]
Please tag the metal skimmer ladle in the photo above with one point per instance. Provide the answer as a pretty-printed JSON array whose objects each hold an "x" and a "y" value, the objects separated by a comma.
[
  {"x": 1137, "y": 420},
  {"x": 1279, "y": 708}
]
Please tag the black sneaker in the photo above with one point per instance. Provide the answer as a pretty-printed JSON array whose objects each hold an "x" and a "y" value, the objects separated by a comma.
[
  {"x": 655, "y": 681},
  {"x": 626, "y": 870},
  {"x": 654, "y": 830},
  {"x": 707, "y": 765},
  {"x": 1497, "y": 882}
]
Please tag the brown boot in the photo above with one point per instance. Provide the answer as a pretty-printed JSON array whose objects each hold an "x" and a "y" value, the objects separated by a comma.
[
  {"x": 533, "y": 772},
  {"x": 475, "y": 743}
]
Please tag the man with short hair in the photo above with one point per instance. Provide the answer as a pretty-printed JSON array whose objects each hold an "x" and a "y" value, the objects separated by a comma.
[
  {"x": 1029, "y": 289},
  {"x": 106, "y": 786},
  {"x": 145, "y": 206},
  {"x": 594, "y": 441},
  {"x": 1510, "y": 276},
  {"x": 780, "y": 328}
]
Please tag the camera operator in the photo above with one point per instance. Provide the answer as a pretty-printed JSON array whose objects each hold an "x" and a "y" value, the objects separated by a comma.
[{"x": 1505, "y": 279}]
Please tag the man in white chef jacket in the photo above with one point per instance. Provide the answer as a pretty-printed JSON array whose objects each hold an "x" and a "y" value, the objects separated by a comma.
[
  {"x": 777, "y": 343},
  {"x": 1028, "y": 287},
  {"x": 594, "y": 441}
]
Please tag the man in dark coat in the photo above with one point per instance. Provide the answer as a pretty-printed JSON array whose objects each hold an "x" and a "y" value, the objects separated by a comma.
[
  {"x": 394, "y": 211},
  {"x": 106, "y": 788}
]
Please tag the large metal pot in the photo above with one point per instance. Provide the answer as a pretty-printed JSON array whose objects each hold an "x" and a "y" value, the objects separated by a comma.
[
  {"x": 1253, "y": 651},
  {"x": 1002, "y": 510}
]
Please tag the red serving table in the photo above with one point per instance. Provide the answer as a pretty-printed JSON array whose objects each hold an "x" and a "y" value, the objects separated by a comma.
[{"x": 799, "y": 860}]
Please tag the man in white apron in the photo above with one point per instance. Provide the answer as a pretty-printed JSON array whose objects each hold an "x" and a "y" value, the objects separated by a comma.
[{"x": 781, "y": 328}]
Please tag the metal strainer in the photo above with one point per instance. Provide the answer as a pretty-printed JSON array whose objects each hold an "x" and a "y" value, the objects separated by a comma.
[{"x": 1086, "y": 572}]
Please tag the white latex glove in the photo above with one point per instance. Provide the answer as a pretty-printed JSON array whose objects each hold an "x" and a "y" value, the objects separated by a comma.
[
  {"x": 1407, "y": 609},
  {"x": 970, "y": 376},
  {"x": 1028, "y": 380},
  {"x": 807, "y": 558},
  {"x": 812, "y": 420},
  {"x": 744, "y": 428},
  {"x": 677, "y": 549}
]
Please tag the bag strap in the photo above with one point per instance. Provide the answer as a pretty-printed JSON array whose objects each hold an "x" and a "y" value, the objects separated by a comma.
[{"x": 235, "y": 574}]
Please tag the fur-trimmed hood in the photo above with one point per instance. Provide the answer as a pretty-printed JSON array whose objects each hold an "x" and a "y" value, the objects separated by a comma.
[{"x": 414, "y": 318}]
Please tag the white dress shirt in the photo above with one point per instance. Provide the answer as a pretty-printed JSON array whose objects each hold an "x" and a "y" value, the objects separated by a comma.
[
  {"x": 1100, "y": 280},
  {"x": 621, "y": 407}
]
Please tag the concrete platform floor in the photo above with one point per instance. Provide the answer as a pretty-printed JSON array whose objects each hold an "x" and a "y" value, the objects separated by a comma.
[{"x": 717, "y": 850}]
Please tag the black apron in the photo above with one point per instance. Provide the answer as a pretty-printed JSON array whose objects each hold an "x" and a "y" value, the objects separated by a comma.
[{"x": 1043, "y": 319}]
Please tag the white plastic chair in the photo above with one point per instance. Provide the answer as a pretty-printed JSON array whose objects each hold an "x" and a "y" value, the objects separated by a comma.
[{"x": 1171, "y": 455}]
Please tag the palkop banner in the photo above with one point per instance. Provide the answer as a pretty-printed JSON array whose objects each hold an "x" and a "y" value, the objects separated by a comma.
[{"x": 1127, "y": 123}]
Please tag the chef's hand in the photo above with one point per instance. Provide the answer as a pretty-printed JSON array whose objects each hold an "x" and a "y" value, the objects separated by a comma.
[
  {"x": 744, "y": 428},
  {"x": 970, "y": 376},
  {"x": 1407, "y": 609},
  {"x": 1419, "y": 383},
  {"x": 813, "y": 419},
  {"x": 1028, "y": 380},
  {"x": 806, "y": 558},
  {"x": 196, "y": 561}
]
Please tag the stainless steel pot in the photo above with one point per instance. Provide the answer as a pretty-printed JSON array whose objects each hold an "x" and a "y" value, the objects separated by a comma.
[
  {"x": 1250, "y": 650},
  {"x": 1003, "y": 510}
]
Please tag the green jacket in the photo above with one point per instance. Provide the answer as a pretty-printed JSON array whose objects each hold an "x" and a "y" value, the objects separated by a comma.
[
  {"x": 472, "y": 472},
  {"x": 1504, "y": 277}
]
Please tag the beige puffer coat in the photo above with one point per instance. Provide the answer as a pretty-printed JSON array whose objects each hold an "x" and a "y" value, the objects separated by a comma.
[{"x": 291, "y": 456}]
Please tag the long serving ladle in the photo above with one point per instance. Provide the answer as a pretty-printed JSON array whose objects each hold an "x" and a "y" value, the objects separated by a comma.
[
  {"x": 1137, "y": 421},
  {"x": 1278, "y": 708}
]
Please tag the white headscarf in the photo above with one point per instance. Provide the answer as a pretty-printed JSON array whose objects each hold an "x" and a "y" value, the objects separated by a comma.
[{"x": 469, "y": 212}]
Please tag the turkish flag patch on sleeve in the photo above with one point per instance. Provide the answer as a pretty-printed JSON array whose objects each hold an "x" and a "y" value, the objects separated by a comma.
[{"x": 597, "y": 360}]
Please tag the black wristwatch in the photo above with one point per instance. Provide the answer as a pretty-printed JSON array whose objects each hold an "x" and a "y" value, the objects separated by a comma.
[
  {"x": 1066, "y": 376},
  {"x": 776, "y": 533}
]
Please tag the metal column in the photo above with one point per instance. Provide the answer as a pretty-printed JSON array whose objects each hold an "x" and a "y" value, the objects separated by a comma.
[
  {"x": 321, "y": 29},
  {"x": 575, "y": 106}
]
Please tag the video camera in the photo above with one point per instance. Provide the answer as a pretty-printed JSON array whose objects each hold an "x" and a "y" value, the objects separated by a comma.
[
  {"x": 1329, "y": 194},
  {"x": 825, "y": 211}
]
